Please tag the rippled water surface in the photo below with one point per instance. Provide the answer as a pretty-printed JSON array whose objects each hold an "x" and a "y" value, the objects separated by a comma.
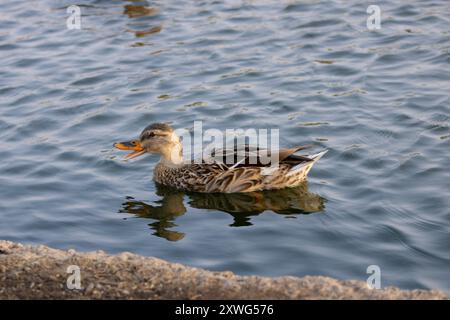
[{"x": 378, "y": 100}]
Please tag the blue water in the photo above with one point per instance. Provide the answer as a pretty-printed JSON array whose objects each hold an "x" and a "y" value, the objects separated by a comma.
[{"x": 378, "y": 100}]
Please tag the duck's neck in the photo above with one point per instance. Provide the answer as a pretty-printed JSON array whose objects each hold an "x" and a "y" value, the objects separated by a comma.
[{"x": 172, "y": 156}]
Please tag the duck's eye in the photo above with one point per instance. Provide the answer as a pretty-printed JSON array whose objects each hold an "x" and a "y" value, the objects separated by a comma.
[{"x": 147, "y": 135}]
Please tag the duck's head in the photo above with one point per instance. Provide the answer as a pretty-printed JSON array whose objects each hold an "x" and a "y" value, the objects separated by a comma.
[{"x": 157, "y": 138}]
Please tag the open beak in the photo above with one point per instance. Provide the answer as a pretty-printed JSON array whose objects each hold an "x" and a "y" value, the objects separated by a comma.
[{"x": 133, "y": 145}]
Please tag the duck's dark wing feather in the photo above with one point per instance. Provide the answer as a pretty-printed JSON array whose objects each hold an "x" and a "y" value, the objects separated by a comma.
[{"x": 252, "y": 156}]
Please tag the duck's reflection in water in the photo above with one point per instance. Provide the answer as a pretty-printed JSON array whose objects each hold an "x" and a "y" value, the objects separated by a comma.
[{"x": 242, "y": 206}]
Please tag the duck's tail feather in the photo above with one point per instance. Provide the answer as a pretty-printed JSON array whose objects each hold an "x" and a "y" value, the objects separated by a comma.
[
  {"x": 317, "y": 156},
  {"x": 307, "y": 165}
]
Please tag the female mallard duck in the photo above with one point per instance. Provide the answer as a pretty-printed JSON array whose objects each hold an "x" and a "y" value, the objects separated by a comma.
[{"x": 246, "y": 175}]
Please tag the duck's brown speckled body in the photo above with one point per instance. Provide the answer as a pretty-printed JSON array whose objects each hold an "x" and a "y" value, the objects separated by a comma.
[
  {"x": 246, "y": 175},
  {"x": 218, "y": 177}
]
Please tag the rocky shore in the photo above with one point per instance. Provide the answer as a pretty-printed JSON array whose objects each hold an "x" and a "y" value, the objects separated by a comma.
[{"x": 39, "y": 272}]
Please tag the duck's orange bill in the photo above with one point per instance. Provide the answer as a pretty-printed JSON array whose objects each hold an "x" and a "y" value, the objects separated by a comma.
[{"x": 134, "y": 145}]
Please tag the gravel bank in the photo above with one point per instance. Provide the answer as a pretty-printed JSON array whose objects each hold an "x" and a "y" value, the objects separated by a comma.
[{"x": 39, "y": 272}]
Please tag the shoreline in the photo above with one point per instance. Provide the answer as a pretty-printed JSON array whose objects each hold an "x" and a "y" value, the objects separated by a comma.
[{"x": 40, "y": 272}]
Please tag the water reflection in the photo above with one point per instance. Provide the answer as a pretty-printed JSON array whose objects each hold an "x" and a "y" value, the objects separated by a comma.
[
  {"x": 135, "y": 11},
  {"x": 143, "y": 33},
  {"x": 142, "y": 28},
  {"x": 242, "y": 206}
]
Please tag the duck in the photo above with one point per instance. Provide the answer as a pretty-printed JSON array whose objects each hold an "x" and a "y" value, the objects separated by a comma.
[{"x": 213, "y": 175}]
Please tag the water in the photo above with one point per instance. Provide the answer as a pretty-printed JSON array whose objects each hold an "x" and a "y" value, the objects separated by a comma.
[{"x": 379, "y": 101}]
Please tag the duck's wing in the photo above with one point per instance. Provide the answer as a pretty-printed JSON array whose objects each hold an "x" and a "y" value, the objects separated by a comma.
[
  {"x": 253, "y": 156},
  {"x": 241, "y": 174}
]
